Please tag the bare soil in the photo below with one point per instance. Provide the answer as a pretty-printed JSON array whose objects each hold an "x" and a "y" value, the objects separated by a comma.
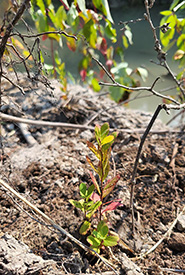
[{"x": 48, "y": 174}]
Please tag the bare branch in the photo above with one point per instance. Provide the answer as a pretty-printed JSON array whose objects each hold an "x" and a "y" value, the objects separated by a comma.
[
  {"x": 14, "y": 84},
  {"x": 60, "y": 32}
]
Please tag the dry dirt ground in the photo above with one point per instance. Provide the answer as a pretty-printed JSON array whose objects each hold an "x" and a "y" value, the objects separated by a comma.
[{"x": 49, "y": 172}]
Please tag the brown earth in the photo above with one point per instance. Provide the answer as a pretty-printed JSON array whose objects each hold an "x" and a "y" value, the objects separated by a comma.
[{"x": 48, "y": 174}]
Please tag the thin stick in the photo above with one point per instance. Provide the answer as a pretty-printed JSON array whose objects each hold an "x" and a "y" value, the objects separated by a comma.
[
  {"x": 56, "y": 226},
  {"x": 133, "y": 180},
  {"x": 41, "y": 123}
]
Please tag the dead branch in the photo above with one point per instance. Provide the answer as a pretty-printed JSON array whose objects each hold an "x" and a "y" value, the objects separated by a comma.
[{"x": 40, "y": 123}]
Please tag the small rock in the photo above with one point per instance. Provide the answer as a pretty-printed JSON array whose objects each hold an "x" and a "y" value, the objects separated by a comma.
[
  {"x": 177, "y": 242},
  {"x": 181, "y": 223}
]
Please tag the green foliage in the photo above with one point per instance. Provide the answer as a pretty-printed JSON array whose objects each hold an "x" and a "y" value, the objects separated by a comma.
[
  {"x": 94, "y": 28},
  {"x": 175, "y": 34},
  {"x": 92, "y": 198},
  {"x": 100, "y": 237}
]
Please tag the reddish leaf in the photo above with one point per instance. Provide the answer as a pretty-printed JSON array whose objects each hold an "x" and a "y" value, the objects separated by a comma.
[
  {"x": 83, "y": 74},
  {"x": 95, "y": 182},
  {"x": 109, "y": 185},
  {"x": 112, "y": 206},
  {"x": 95, "y": 197},
  {"x": 44, "y": 37},
  {"x": 103, "y": 46},
  {"x": 109, "y": 64}
]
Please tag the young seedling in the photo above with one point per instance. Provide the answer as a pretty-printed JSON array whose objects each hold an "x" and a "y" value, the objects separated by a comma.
[{"x": 92, "y": 198}]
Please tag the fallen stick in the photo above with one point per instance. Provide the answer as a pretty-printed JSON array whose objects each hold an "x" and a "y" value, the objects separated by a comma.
[{"x": 41, "y": 123}]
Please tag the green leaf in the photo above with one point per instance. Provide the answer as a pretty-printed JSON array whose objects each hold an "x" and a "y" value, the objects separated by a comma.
[
  {"x": 107, "y": 10},
  {"x": 103, "y": 6},
  {"x": 166, "y": 13},
  {"x": 40, "y": 4},
  {"x": 85, "y": 227},
  {"x": 95, "y": 85},
  {"x": 111, "y": 241},
  {"x": 41, "y": 23},
  {"x": 143, "y": 73},
  {"x": 107, "y": 140},
  {"x": 119, "y": 67},
  {"x": 104, "y": 130},
  {"x": 77, "y": 204},
  {"x": 72, "y": 15},
  {"x": 181, "y": 42},
  {"x": 90, "y": 191},
  {"x": 83, "y": 190},
  {"x": 89, "y": 31},
  {"x": 103, "y": 229},
  {"x": 173, "y": 4},
  {"x": 93, "y": 208},
  {"x": 93, "y": 241},
  {"x": 128, "y": 34},
  {"x": 110, "y": 32}
]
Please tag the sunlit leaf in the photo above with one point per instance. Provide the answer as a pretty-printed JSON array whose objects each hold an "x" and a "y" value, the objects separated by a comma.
[
  {"x": 143, "y": 73},
  {"x": 181, "y": 42},
  {"x": 95, "y": 85},
  {"x": 179, "y": 54},
  {"x": 85, "y": 227},
  {"x": 82, "y": 7},
  {"x": 128, "y": 34},
  {"x": 93, "y": 148},
  {"x": 93, "y": 241},
  {"x": 77, "y": 204},
  {"x": 166, "y": 13},
  {"x": 89, "y": 161},
  {"x": 103, "y": 6},
  {"x": 107, "y": 139},
  {"x": 111, "y": 241},
  {"x": 92, "y": 209},
  {"x": 110, "y": 32}
]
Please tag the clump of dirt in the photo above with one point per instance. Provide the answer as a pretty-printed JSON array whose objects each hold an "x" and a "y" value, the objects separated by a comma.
[{"x": 48, "y": 174}]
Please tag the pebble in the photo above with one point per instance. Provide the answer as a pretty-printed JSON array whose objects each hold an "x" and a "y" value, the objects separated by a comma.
[
  {"x": 181, "y": 223},
  {"x": 177, "y": 242}
]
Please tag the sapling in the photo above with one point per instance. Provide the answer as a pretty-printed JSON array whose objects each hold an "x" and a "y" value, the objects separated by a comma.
[{"x": 92, "y": 202}]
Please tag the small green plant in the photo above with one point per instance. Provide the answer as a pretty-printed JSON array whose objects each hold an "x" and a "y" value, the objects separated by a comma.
[{"x": 92, "y": 202}]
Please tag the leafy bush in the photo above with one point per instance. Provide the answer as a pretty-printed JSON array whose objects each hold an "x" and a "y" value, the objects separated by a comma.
[
  {"x": 92, "y": 198},
  {"x": 94, "y": 29}
]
